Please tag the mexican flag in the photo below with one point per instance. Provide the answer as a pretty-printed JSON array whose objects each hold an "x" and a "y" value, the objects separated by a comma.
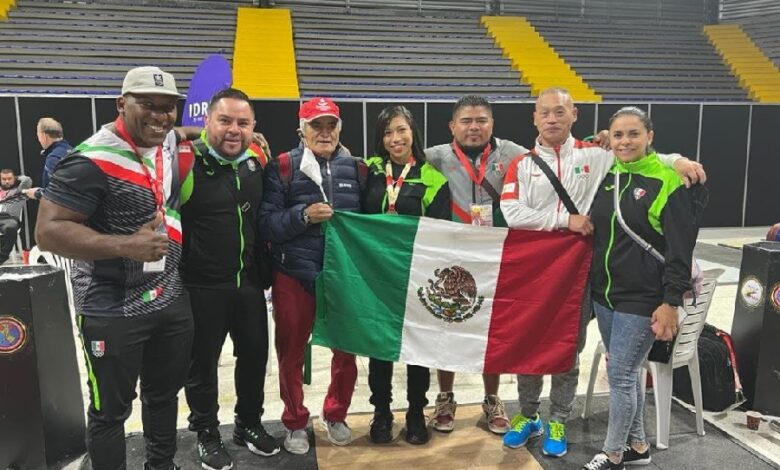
[{"x": 451, "y": 296}]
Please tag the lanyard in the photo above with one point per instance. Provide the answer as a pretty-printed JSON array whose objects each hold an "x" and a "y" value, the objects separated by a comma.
[
  {"x": 466, "y": 162},
  {"x": 394, "y": 187},
  {"x": 155, "y": 183}
]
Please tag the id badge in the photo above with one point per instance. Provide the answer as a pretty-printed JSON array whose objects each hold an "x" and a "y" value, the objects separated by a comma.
[
  {"x": 482, "y": 215},
  {"x": 153, "y": 267}
]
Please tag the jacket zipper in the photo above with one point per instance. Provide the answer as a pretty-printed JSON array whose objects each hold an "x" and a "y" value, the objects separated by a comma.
[
  {"x": 240, "y": 230},
  {"x": 330, "y": 185}
]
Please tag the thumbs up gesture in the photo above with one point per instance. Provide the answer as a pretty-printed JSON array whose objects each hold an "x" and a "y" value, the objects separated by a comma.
[{"x": 149, "y": 243}]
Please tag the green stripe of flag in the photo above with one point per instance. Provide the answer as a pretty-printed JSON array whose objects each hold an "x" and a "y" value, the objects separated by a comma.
[{"x": 385, "y": 240}]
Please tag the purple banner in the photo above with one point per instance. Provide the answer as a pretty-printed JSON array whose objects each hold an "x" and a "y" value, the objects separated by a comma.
[{"x": 212, "y": 75}]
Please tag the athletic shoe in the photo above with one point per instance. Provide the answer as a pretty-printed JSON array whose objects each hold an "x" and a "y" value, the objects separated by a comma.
[
  {"x": 495, "y": 413},
  {"x": 416, "y": 430},
  {"x": 256, "y": 440},
  {"x": 601, "y": 462},
  {"x": 523, "y": 428},
  {"x": 555, "y": 443},
  {"x": 338, "y": 432},
  {"x": 444, "y": 414},
  {"x": 297, "y": 442},
  {"x": 381, "y": 428},
  {"x": 632, "y": 457},
  {"x": 211, "y": 451}
]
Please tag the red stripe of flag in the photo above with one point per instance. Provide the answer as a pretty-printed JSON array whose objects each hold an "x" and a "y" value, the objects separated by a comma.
[
  {"x": 174, "y": 234},
  {"x": 535, "y": 320}
]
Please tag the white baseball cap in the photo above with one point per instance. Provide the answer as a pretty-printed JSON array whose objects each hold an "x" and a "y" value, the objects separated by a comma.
[{"x": 150, "y": 81}]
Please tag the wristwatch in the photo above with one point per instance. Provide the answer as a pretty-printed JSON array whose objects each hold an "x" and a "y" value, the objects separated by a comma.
[{"x": 305, "y": 217}]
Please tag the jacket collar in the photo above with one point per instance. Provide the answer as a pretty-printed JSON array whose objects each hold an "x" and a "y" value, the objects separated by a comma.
[
  {"x": 551, "y": 152},
  {"x": 222, "y": 160},
  {"x": 339, "y": 151},
  {"x": 638, "y": 166}
]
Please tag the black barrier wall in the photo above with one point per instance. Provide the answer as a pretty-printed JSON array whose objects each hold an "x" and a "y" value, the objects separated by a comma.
[{"x": 733, "y": 141}]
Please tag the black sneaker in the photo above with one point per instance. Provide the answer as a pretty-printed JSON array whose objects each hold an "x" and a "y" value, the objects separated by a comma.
[
  {"x": 211, "y": 451},
  {"x": 416, "y": 431},
  {"x": 381, "y": 428},
  {"x": 632, "y": 457},
  {"x": 256, "y": 440},
  {"x": 601, "y": 462}
]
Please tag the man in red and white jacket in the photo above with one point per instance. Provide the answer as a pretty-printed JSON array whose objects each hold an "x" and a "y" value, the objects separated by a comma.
[{"x": 529, "y": 201}]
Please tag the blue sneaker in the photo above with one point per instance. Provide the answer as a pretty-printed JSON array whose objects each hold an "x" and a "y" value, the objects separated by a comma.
[
  {"x": 555, "y": 443},
  {"x": 523, "y": 428}
]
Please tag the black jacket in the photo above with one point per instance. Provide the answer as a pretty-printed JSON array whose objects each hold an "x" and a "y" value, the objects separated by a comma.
[
  {"x": 297, "y": 248},
  {"x": 221, "y": 248},
  {"x": 658, "y": 207},
  {"x": 425, "y": 191}
]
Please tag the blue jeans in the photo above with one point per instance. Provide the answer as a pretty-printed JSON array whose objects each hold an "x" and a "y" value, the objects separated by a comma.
[{"x": 627, "y": 338}]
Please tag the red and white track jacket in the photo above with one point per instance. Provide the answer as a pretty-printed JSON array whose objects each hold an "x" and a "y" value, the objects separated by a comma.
[{"x": 529, "y": 201}]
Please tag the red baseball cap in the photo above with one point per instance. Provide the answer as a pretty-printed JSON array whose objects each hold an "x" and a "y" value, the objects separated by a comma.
[{"x": 318, "y": 107}]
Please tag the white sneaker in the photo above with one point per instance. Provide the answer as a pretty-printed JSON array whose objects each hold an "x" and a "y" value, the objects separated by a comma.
[
  {"x": 338, "y": 432},
  {"x": 297, "y": 442},
  {"x": 444, "y": 415}
]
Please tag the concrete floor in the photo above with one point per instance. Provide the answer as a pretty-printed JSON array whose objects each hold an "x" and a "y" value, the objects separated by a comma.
[{"x": 712, "y": 250}]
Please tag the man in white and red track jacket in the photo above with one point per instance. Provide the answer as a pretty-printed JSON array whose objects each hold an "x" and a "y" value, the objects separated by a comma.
[{"x": 529, "y": 201}]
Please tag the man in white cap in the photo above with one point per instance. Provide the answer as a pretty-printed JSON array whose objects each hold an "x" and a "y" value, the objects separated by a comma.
[
  {"x": 113, "y": 206},
  {"x": 302, "y": 189}
]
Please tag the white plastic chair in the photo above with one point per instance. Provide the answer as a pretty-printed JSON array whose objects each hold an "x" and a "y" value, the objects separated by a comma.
[
  {"x": 684, "y": 353},
  {"x": 18, "y": 248}
]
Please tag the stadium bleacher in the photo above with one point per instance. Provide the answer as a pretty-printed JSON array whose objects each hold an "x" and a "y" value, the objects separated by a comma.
[
  {"x": 378, "y": 54},
  {"x": 650, "y": 50},
  {"x": 763, "y": 30},
  {"x": 654, "y": 62},
  {"x": 86, "y": 47}
]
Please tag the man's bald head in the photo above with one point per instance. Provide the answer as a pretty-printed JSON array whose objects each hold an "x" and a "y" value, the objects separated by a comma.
[
  {"x": 554, "y": 115},
  {"x": 48, "y": 132},
  {"x": 50, "y": 127}
]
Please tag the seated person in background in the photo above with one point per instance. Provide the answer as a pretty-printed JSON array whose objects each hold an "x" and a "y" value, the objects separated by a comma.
[{"x": 12, "y": 202}]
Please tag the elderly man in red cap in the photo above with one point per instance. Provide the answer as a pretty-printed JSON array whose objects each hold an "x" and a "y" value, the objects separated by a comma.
[{"x": 302, "y": 189}]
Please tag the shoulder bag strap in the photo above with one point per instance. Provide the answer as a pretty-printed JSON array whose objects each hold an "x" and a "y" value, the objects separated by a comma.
[
  {"x": 565, "y": 198},
  {"x": 634, "y": 236}
]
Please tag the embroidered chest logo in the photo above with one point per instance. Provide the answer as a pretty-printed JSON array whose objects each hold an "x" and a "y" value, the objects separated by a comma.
[
  {"x": 98, "y": 348},
  {"x": 251, "y": 165},
  {"x": 452, "y": 296},
  {"x": 498, "y": 168},
  {"x": 639, "y": 193},
  {"x": 582, "y": 172}
]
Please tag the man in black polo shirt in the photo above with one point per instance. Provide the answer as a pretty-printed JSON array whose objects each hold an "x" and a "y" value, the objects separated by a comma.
[
  {"x": 223, "y": 275},
  {"x": 113, "y": 206}
]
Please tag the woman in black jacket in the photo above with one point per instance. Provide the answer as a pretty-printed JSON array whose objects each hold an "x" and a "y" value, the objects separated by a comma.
[
  {"x": 635, "y": 294},
  {"x": 400, "y": 181}
]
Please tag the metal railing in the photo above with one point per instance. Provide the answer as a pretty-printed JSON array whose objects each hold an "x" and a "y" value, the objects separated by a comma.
[{"x": 652, "y": 11}]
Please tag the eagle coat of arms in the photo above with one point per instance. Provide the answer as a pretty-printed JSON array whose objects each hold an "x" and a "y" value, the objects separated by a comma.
[{"x": 452, "y": 295}]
